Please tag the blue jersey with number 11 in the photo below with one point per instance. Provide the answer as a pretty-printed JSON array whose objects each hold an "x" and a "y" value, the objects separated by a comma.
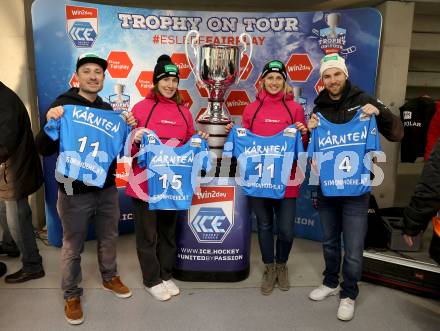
[
  {"x": 265, "y": 162},
  {"x": 90, "y": 139},
  {"x": 342, "y": 154}
]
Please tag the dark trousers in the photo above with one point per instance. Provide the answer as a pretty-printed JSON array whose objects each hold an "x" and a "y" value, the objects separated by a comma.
[
  {"x": 8, "y": 243},
  {"x": 17, "y": 226},
  {"x": 285, "y": 210},
  {"x": 155, "y": 242},
  {"x": 346, "y": 216},
  {"x": 76, "y": 212}
]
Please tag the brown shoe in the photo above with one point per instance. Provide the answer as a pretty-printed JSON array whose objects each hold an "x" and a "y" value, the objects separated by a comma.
[
  {"x": 117, "y": 287},
  {"x": 73, "y": 311},
  {"x": 283, "y": 277},
  {"x": 269, "y": 279}
]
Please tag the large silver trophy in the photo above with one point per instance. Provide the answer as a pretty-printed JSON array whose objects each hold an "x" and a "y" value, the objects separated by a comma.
[{"x": 217, "y": 66}]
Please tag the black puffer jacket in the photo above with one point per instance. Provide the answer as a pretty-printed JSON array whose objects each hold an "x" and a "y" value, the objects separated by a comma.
[
  {"x": 47, "y": 146},
  {"x": 343, "y": 110},
  {"x": 20, "y": 165},
  {"x": 425, "y": 202}
]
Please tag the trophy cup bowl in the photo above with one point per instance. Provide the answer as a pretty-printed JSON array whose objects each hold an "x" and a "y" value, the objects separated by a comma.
[{"x": 217, "y": 67}]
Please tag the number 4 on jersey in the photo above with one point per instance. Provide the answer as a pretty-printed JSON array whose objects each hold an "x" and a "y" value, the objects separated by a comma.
[{"x": 345, "y": 164}]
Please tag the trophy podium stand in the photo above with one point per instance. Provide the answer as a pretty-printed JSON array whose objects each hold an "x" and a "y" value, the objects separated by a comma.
[
  {"x": 213, "y": 237},
  {"x": 210, "y": 250}
]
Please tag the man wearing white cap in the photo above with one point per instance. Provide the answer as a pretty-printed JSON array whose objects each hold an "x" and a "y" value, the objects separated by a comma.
[{"x": 347, "y": 215}]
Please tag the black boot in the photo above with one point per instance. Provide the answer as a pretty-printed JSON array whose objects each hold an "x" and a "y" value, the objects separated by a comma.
[
  {"x": 10, "y": 253},
  {"x": 20, "y": 276},
  {"x": 2, "y": 269}
]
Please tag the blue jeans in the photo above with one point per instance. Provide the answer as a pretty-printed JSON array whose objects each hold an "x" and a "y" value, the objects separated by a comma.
[
  {"x": 285, "y": 210},
  {"x": 347, "y": 216}
]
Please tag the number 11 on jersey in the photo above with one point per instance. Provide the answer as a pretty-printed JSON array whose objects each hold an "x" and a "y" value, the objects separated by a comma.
[
  {"x": 270, "y": 168},
  {"x": 83, "y": 142}
]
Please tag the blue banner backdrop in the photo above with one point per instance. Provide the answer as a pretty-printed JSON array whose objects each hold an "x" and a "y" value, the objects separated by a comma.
[{"x": 131, "y": 39}]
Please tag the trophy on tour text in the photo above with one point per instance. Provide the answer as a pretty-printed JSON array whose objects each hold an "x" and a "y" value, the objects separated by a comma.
[{"x": 218, "y": 67}]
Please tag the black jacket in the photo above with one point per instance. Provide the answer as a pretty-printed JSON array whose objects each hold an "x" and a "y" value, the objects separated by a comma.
[
  {"x": 425, "y": 202},
  {"x": 47, "y": 146},
  {"x": 20, "y": 165},
  {"x": 416, "y": 115},
  {"x": 343, "y": 110}
]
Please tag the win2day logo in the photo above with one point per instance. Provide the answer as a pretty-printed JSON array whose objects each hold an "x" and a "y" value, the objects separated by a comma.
[{"x": 82, "y": 25}]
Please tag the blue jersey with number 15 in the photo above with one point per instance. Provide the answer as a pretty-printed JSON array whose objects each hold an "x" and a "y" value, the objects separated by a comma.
[{"x": 172, "y": 171}]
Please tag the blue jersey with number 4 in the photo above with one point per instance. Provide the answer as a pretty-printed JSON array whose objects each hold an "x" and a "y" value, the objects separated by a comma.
[
  {"x": 172, "y": 171},
  {"x": 265, "y": 162},
  {"x": 343, "y": 154},
  {"x": 90, "y": 139}
]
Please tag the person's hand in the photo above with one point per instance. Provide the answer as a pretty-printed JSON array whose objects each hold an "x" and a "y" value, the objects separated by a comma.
[
  {"x": 55, "y": 113},
  {"x": 313, "y": 122},
  {"x": 129, "y": 119},
  {"x": 139, "y": 134},
  {"x": 369, "y": 109},
  {"x": 408, "y": 239},
  {"x": 203, "y": 134},
  {"x": 229, "y": 127},
  {"x": 301, "y": 127}
]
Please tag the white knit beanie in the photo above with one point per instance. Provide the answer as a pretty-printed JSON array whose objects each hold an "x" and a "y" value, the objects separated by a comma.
[{"x": 333, "y": 60}]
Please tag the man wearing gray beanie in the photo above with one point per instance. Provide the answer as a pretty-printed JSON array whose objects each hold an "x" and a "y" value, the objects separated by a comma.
[{"x": 338, "y": 103}]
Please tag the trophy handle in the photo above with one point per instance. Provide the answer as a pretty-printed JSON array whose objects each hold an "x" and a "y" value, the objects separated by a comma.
[
  {"x": 195, "y": 49},
  {"x": 245, "y": 50}
]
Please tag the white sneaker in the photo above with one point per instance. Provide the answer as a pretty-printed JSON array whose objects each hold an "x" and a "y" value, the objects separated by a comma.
[
  {"x": 346, "y": 309},
  {"x": 323, "y": 292},
  {"x": 159, "y": 292},
  {"x": 171, "y": 287}
]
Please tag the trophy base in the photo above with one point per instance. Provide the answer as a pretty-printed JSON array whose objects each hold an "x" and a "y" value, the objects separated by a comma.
[
  {"x": 217, "y": 135},
  {"x": 224, "y": 167}
]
